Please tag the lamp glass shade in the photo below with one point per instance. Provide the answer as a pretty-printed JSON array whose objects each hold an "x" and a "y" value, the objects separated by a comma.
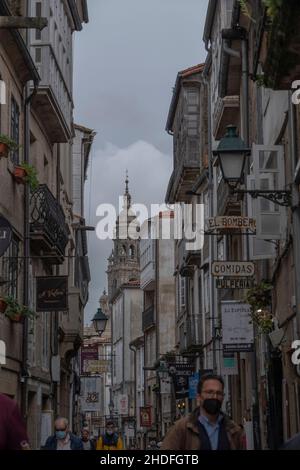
[
  {"x": 100, "y": 321},
  {"x": 232, "y": 165},
  {"x": 232, "y": 153}
]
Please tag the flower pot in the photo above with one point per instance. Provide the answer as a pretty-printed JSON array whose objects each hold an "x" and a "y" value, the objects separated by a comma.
[
  {"x": 3, "y": 305},
  {"x": 4, "y": 150},
  {"x": 17, "y": 317},
  {"x": 19, "y": 175}
]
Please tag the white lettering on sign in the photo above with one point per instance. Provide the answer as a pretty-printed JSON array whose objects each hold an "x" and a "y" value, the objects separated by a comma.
[{"x": 233, "y": 268}]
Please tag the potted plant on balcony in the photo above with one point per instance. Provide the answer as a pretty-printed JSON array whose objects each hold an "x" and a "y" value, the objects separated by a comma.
[
  {"x": 26, "y": 174},
  {"x": 16, "y": 312},
  {"x": 259, "y": 298},
  {"x": 6, "y": 145}
]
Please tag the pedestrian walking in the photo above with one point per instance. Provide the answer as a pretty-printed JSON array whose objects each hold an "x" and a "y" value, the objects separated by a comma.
[
  {"x": 63, "y": 439},
  {"x": 110, "y": 439},
  {"x": 88, "y": 444},
  {"x": 207, "y": 428},
  {"x": 292, "y": 444},
  {"x": 13, "y": 435}
]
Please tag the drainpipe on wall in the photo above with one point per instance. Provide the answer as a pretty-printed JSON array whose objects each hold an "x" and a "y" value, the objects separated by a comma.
[
  {"x": 133, "y": 349},
  {"x": 227, "y": 35},
  {"x": 25, "y": 369},
  {"x": 296, "y": 208}
]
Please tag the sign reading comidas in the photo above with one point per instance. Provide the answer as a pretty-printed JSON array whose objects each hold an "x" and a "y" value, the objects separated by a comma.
[
  {"x": 51, "y": 293},
  {"x": 233, "y": 268}
]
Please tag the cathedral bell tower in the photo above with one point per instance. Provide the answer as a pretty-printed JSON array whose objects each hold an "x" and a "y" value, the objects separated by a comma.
[{"x": 124, "y": 261}]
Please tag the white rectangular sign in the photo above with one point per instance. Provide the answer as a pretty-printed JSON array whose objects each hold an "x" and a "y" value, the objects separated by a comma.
[
  {"x": 233, "y": 268},
  {"x": 237, "y": 329},
  {"x": 123, "y": 404},
  {"x": 91, "y": 394}
]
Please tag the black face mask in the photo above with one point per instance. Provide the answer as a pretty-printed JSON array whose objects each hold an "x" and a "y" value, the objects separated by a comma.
[{"x": 212, "y": 406}]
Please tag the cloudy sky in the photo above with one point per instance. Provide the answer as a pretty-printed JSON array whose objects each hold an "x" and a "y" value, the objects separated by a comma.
[{"x": 125, "y": 66}]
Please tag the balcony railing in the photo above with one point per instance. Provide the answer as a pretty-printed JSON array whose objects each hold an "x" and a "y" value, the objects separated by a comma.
[
  {"x": 48, "y": 230},
  {"x": 148, "y": 318},
  {"x": 191, "y": 335}
]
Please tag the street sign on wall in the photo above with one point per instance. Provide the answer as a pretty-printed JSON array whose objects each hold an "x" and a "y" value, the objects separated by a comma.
[
  {"x": 233, "y": 268},
  {"x": 237, "y": 329},
  {"x": 231, "y": 222},
  {"x": 229, "y": 283}
]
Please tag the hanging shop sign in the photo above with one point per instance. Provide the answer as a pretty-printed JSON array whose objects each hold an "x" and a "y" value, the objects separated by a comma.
[
  {"x": 90, "y": 400},
  {"x": 230, "y": 364},
  {"x": 242, "y": 283},
  {"x": 231, "y": 223},
  {"x": 5, "y": 235},
  {"x": 182, "y": 373},
  {"x": 233, "y": 268},
  {"x": 88, "y": 355},
  {"x": 145, "y": 417},
  {"x": 123, "y": 404},
  {"x": 51, "y": 293},
  {"x": 237, "y": 329}
]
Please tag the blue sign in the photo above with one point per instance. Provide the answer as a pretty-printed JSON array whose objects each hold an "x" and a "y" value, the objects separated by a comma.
[{"x": 193, "y": 384}]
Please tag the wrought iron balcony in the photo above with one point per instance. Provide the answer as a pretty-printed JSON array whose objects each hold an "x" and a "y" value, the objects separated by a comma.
[
  {"x": 148, "y": 318},
  {"x": 48, "y": 229},
  {"x": 191, "y": 335}
]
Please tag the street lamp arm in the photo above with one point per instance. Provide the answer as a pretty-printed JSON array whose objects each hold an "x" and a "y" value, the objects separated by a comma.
[{"x": 282, "y": 198}]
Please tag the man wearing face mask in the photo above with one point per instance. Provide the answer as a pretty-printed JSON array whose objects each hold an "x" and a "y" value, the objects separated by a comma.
[
  {"x": 63, "y": 439},
  {"x": 110, "y": 440},
  {"x": 207, "y": 428}
]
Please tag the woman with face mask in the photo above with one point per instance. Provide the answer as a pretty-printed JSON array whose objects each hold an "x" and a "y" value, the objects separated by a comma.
[
  {"x": 63, "y": 439},
  {"x": 207, "y": 428}
]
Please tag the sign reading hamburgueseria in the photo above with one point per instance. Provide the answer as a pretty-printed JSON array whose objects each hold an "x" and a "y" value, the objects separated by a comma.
[
  {"x": 240, "y": 283},
  {"x": 231, "y": 222},
  {"x": 51, "y": 293},
  {"x": 233, "y": 268}
]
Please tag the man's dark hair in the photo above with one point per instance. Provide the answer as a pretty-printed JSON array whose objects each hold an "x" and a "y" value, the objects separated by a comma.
[
  {"x": 206, "y": 377},
  {"x": 110, "y": 423}
]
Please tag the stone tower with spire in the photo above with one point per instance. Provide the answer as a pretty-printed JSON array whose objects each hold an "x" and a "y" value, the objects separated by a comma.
[{"x": 124, "y": 261}]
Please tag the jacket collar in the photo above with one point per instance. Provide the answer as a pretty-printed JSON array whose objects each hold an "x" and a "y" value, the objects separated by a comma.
[{"x": 192, "y": 423}]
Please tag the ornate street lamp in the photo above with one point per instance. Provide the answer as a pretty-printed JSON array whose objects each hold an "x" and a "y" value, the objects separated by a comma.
[
  {"x": 99, "y": 321},
  {"x": 232, "y": 154}
]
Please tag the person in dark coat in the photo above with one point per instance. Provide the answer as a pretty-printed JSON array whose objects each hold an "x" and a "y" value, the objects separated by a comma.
[
  {"x": 207, "y": 428},
  {"x": 88, "y": 444},
  {"x": 63, "y": 439},
  {"x": 292, "y": 444},
  {"x": 13, "y": 435}
]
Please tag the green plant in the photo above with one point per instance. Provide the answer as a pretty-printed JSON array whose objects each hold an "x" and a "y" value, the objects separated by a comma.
[
  {"x": 273, "y": 7},
  {"x": 245, "y": 9},
  {"x": 14, "y": 309},
  {"x": 31, "y": 177},
  {"x": 11, "y": 144},
  {"x": 259, "y": 298}
]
